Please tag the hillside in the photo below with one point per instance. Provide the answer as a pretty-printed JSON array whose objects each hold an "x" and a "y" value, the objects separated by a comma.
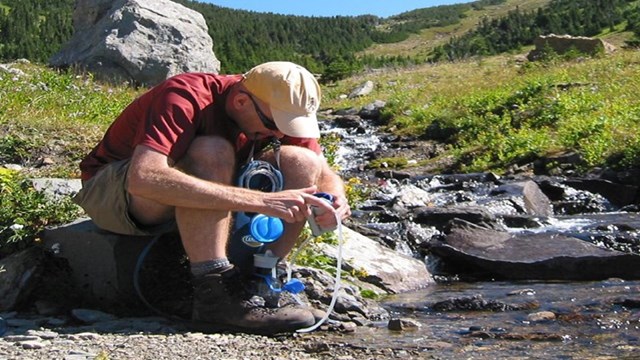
[
  {"x": 339, "y": 46},
  {"x": 420, "y": 44}
]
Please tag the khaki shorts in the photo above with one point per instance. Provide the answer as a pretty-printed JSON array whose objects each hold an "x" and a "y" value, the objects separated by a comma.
[{"x": 105, "y": 200}]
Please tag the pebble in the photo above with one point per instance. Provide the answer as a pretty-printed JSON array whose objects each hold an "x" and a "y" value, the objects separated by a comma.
[
  {"x": 88, "y": 316},
  {"x": 32, "y": 344},
  {"x": 541, "y": 316}
]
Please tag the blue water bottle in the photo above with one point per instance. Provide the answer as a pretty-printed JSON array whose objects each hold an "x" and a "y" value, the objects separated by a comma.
[
  {"x": 263, "y": 229},
  {"x": 251, "y": 232}
]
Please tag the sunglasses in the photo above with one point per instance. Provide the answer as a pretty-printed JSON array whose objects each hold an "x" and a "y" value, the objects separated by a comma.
[{"x": 266, "y": 121}]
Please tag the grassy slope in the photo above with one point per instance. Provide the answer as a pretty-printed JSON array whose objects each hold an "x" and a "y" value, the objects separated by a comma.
[{"x": 422, "y": 43}]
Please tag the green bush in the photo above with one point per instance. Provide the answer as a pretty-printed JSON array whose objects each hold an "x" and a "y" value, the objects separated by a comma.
[{"x": 25, "y": 212}]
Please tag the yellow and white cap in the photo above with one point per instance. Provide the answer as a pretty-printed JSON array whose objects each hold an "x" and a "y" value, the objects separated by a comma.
[{"x": 292, "y": 93}]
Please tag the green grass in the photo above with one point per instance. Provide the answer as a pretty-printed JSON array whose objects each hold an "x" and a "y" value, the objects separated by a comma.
[
  {"x": 493, "y": 112},
  {"x": 499, "y": 111},
  {"x": 422, "y": 43},
  {"x": 56, "y": 115}
]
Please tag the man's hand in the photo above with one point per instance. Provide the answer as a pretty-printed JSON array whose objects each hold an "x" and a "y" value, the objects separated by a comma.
[
  {"x": 340, "y": 211},
  {"x": 294, "y": 205}
]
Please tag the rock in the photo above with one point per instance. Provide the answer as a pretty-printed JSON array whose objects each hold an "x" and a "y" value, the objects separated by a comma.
[
  {"x": 410, "y": 197},
  {"x": 364, "y": 89},
  {"x": 57, "y": 187},
  {"x": 483, "y": 252},
  {"x": 18, "y": 275},
  {"x": 138, "y": 41},
  {"x": 372, "y": 111},
  {"x": 478, "y": 303},
  {"x": 89, "y": 316},
  {"x": 101, "y": 263},
  {"x": 541, "y": 316},
  {"x": 441, "y": 216},
  {"x": 618, "y": 194},
  {"x": 403, "y": 324},
  {"x": 561, "y": 44},
  {"x": 381, "y": 266},
  {"x": 534, "y": 201}
]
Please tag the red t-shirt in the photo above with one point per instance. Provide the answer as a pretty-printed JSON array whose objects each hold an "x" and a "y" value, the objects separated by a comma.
[{"x": 169, "y": 116}]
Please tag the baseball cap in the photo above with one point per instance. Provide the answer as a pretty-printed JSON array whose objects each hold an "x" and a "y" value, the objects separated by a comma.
[{"x": 292, "y": 93}]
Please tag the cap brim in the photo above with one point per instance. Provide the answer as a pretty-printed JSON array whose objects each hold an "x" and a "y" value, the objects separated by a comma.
[{"x": 296, "y": 125}]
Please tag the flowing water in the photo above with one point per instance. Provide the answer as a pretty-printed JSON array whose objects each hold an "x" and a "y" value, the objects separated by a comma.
[
  {"x": 589, "y": 323},
  {"x": 584, "y": 320}
]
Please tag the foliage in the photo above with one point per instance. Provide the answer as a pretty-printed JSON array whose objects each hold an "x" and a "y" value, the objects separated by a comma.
[
  {"x": 34, "y": 29},
  {"x": 389, "y": 163},
  {"x": 369, "y": 294},
  {"x": 588, "y": 106},
  {"x": 520, "y": 28},
  {"x": 24, "y": 212},
  {"x": 45, "y": 112},
  {"x": 37, "y": 29}
]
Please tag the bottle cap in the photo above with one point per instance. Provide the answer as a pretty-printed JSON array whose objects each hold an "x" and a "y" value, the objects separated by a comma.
[
  {"x": 266, "y": 229},
  {"x": 325, "y": 196}
]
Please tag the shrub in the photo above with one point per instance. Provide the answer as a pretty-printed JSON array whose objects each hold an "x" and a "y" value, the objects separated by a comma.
[{"x": 25, "y": 212}]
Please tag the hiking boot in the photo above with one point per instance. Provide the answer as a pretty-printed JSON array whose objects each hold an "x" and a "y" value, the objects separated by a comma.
[{"x": 221, "y": 303}]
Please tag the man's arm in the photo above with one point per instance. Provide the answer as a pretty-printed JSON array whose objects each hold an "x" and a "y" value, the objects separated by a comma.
[{"x": 153, "y": 177}]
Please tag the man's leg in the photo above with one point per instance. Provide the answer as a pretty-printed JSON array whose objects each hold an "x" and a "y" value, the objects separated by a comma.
[
  {"x": 204, "y": 233},
  {"x": 221, "y": 300},
  {"x": 300, "y": 169}
]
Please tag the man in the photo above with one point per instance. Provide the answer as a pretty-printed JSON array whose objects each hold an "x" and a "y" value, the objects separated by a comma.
[{"x": 170, "y": 159}]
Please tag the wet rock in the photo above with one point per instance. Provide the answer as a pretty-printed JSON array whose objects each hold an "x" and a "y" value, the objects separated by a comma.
[
  {"x": 541, "y": 316},
  {"x": 440, "y": 217},
  {"x": 631, "y": 303},
  {"x": 498, "y": 254},
  {"x": 521, "y": 292},
  {"x": 403, "y": 324},
  {"x": 534, "y": 201},
  {"x": 372, "y": 111},
  {"x": 617, "y": 194},
  {"x": 477, "y": 303},
  {"x": 348, "y": 121}
]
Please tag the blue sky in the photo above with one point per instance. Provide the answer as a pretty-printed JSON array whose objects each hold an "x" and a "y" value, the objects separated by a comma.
[{"x": 382, "y": 8}]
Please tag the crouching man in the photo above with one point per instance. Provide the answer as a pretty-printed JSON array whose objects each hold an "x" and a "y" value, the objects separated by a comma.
[{"x": 170, "y": 159}]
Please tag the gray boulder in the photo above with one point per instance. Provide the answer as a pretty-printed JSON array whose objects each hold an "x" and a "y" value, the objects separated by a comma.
[
  {"x": 492, "y": 254},
  {"x": 139, "y": 41},
  {"x": 561, "y": 44},
  {"x": 391, "y": 271}
]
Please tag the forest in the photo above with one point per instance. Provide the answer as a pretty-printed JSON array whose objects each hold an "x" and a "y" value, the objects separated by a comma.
[
  {"x": 37, "y": 29},
  {"x": 518, "y": 28}
]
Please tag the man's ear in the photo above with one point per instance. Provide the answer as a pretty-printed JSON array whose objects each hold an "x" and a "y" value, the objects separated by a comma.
[{"x": 239, "y": 100}]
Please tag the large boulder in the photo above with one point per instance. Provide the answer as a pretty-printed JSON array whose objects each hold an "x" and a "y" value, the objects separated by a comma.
[
  {"x": 387, "y": 269},
  {"x": 491, "y": 254},
  {"x": 561, "y": 44},
  {"x": 139, "y": 41}
]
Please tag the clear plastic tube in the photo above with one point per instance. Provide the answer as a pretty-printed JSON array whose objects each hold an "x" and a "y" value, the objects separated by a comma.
[{"x": 336, "y": 287}]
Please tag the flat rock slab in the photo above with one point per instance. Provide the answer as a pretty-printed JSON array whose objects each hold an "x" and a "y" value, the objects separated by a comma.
[
  {"x": 489, "y": 253},
  {"x": 385, "y": 268}
]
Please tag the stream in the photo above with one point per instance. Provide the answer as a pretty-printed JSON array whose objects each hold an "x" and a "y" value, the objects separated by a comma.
[{"x": 550, "y": 319}]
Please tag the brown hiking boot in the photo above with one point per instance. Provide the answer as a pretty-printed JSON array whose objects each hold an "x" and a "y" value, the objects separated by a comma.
[{"x": 221, "y": 303}]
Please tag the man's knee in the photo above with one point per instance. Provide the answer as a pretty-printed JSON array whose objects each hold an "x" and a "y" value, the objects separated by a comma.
[
  {"x": 300, "y": 166},
  {"x": 211, "y": 158}
]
